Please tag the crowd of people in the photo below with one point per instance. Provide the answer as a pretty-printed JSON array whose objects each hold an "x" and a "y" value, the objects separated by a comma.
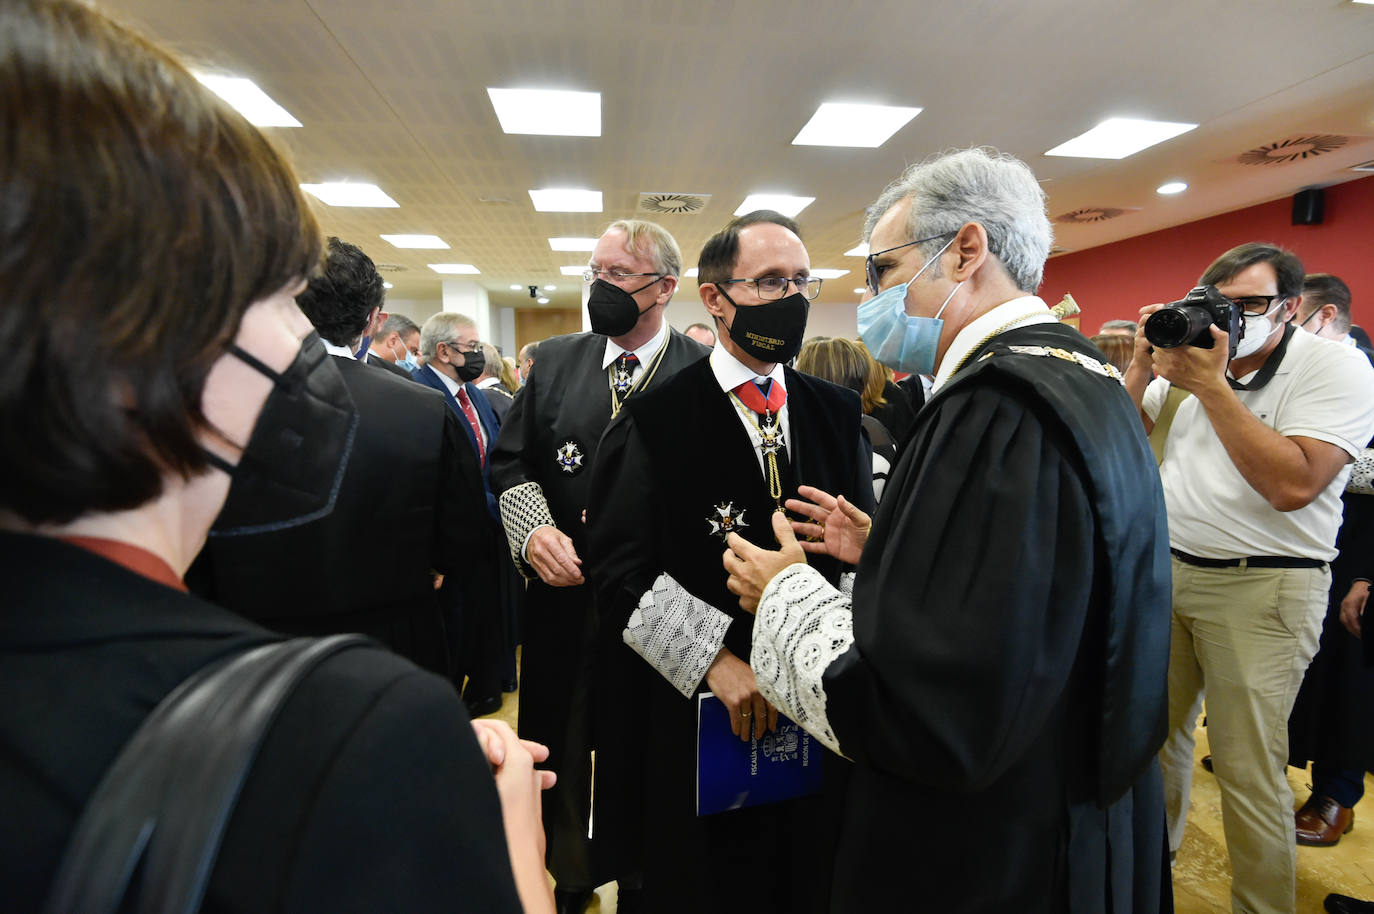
[{"x": 971, "y": 566}]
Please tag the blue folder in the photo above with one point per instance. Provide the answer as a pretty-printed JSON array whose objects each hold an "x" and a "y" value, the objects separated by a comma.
[{"x": 732, "y": 774}]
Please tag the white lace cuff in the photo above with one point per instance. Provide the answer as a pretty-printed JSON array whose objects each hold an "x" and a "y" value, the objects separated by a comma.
[
  {"x": 847, "y": 584},
  {"x": 802, "y": 625},
  {"x": 523, "y": 510},
  {"x": 676, "y": 633}
]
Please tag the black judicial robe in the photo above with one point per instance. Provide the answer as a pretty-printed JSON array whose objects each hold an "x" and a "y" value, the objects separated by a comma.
[
  {"x": 566, "y": 399},
  {"x": 1005, "y": 695},
  {"x": 673, "y": 457},
  {"x": 405, "y": 507}
]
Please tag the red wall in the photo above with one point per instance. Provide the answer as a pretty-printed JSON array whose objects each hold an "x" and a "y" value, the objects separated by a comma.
[{"x": 1116, "y": 280}]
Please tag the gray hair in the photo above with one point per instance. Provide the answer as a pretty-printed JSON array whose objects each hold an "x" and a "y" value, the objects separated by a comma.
[
  {"x": 652, "y": 240},
  {"x": 441, "y": 328},
  {"x": 1130, "y": 326},
  {"x": 493, "y": 361},
  {"x": 982, "y": 185},
  {"x": 399, "y": 323}
]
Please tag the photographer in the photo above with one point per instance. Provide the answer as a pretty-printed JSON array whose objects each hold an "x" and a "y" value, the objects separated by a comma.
[{"x": 1254, "y": 461}]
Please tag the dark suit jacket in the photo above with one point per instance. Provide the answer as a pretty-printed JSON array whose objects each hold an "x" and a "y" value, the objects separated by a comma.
[
  {"x": 379, "y": 362},
  {"x": 410, "y": 484},
  {"x": 369, "y": 793},
  {"x": 485, "y": 414}
]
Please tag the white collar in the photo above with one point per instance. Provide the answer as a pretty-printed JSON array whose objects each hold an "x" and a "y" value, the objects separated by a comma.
[
  {"x": 730, "y": 372},
  {"x": 341, "y": 351},
  {"x": 452, "y": 385},
  {"x": 487, "y": 382},
  {"x": 644, "y": 353},
  {"x": 1019, "y": 312}
]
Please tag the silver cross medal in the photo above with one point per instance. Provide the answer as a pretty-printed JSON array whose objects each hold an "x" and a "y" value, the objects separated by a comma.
[{"x": 622, "y": 380}]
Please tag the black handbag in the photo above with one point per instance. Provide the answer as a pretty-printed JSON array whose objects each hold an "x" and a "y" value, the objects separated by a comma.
[{"x": 162, "y": 807}]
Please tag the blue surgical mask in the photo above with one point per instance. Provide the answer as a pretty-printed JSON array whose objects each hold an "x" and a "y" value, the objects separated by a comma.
[
  {"x": 406, "y": 360},
  {"x": 898, "y": 340}
]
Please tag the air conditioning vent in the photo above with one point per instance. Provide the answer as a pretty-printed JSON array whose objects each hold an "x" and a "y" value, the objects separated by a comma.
[
  {"x": 1293, "y": 149},
  {"x": 673, "y": 204},
  {"x": 391, "y": 268},
  {"x": 1090, "y": 214}
]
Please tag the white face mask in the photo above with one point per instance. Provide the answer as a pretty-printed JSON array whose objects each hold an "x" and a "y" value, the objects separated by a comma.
[{"x": 1258, "y": 328}]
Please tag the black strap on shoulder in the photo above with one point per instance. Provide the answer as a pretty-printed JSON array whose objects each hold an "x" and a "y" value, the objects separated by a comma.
[
  {"x": 164, "y": 803},
  {"x": 1271, "y": 364}
]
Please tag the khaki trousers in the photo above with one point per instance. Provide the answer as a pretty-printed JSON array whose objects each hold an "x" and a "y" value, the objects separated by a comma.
[{"x": 1242, "y": 637}]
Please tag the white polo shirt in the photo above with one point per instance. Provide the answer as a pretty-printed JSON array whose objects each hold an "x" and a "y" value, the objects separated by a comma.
[{"x": 1321, "y": 390}]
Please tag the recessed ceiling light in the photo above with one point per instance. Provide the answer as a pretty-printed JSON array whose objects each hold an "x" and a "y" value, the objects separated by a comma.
[
  {"x": 782, "y": 203},
  {"x": 859, "y": 251},
  {"x": 566, "y": 200},
  {"x": 1362, "y": 1},
  {"x": 1178, "y": 187},
  {"x": 573, "y": 270},
  {"x": 550, "y": 288},
  {"x": 860, "y": 291},
  {"x": 250, "y": 101},
  {"x": 843, "y": 124},
  {"x": 692, "y": 272},
  {"x": 543, "y": 300},
  {"x": 516, "y": 288},
  {"x": 418, "y": 242},
  {"x": 1118, "y": 137},
  {"x": 344, "y": 193},
  {"x": 573, "y": 244},
  {"x": 387, "y": 285},
  {"x": 466, "y": 269},
  {"x": 548, "y": 112},
  {"x": 828, "y": 274}
]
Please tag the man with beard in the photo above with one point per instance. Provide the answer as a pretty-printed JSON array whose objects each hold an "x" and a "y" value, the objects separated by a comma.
[{"x": 541, "y": 465}]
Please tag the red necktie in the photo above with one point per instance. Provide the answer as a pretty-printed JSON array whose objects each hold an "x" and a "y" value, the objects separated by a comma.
[
  {"x": 762, "y": 396},
  {"x": 471, "y": 413}
]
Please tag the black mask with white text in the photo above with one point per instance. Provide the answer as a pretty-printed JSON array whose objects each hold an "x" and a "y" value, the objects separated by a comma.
[
  {"x": 474, "y": 363},
  {"x": 771, "y": 331}
]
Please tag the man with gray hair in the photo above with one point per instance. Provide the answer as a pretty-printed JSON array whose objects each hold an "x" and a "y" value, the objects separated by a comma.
[
  {"x": 396, "y": 345},
  {"x": 541, "y": 466},
  {"x": 1118, "y": 328},
  {"x": 997, "y": 673}
]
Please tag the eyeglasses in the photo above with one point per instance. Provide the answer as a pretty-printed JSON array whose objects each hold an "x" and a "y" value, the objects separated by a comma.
[
  {"x": 463, "y": 347},
  {"x": 771, "y": 288},
  {"x": 613, "y": 275},
  {"x": 1258, "y": 304},
  {"x": 871, "y": 268}
]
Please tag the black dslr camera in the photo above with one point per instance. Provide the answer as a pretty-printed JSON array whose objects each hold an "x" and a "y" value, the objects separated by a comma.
[{"x": 1186, "y": 322}]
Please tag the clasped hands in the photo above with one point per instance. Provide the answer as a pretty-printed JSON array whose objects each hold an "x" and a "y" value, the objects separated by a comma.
[{"x": 834, "y": 527}]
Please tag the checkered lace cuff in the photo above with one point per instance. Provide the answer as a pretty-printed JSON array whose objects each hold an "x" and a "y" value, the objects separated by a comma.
[
  {"x": 802, "y": 625},
  {"x": 676, "y": 633},
  {"x": 523, "y": 510}
]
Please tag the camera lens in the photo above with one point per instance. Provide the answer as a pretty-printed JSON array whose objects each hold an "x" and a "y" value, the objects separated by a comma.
[{"x": 1171, "y": 327}]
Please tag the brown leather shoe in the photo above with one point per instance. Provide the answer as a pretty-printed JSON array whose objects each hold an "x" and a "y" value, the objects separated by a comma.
[{"x": 1321, "y": 821}]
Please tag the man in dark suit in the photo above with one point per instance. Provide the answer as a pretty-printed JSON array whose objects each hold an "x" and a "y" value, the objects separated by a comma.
[
  {"x": 453, "y": 360},
  {"x": 396, "y": 346},
  {"x": 367, "y": 566}
]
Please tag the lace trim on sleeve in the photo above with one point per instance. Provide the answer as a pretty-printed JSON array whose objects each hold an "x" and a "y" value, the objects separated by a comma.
[
  {"x": 802, "y": 625},
  {"x": 847, "y": 584},
  {"x": 523, "y": 508},
  {"x": 676, "y": 633}
]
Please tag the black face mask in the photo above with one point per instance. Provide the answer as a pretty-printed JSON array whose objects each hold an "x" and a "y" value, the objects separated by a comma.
[
  {"x": 613, "y": 311},
  {"x": 474, "y": 363},
  {"x": 295, "y": 459},
  {"x": 771, "y": 331}
]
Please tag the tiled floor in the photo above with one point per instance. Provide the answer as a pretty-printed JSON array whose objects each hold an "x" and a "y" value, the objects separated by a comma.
[{"x": 1202, "y": 879}]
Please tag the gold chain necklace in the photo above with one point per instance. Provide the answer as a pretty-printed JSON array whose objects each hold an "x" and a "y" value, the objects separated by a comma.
[{"x": 770, "y": 441}]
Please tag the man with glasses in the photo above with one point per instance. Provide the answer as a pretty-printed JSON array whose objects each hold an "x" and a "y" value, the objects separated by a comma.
[
  {"x": 541, "y": 465},
  {"x": 719, "y": 447},
  {"x": 997, "y": 672},
  {"x": 453, "y": 360},
  {"x": 1253, "y": 467}
]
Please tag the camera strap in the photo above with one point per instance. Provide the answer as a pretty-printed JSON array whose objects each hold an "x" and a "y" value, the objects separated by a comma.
[{"x": 1271, "y": 364}]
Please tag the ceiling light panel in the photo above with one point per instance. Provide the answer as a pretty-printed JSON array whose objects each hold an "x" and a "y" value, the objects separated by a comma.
[
  {"x": 859, "y": 251},
  {"x": 844, "y": 124},
  {"x": 344, "y": 193},
  {"x": 828, "y": 274},
  {"x": 572, "y": 244},
  {"x": 250, "y": 101},
  {"x": 786, "y": 204},
  {"x": 1119, "y": 137},
  {"x": 463, "y": 269},
  {"x": 547, "y": 112},
  {"x": 566, "y": 200},
  {"x": 573, "y": 270},
  {"x": 417, "y": 242},
  {"x": 691, "y": 273}
]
